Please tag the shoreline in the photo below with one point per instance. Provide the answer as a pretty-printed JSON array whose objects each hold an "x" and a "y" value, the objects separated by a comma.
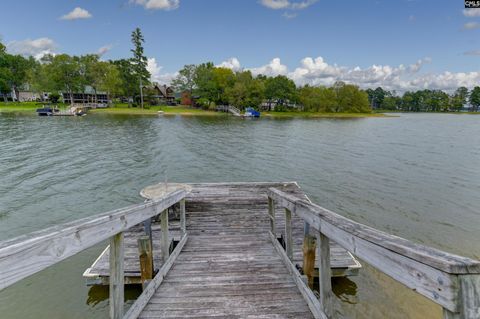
[{"x": 30, "y": 107}]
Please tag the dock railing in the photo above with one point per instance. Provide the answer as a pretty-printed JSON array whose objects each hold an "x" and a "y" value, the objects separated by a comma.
[
  {"x": 451, "y": 281},
  {"x": 28, "y": 254}
]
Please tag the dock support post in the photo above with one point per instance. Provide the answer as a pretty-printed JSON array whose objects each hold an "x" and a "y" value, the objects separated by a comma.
[
  {"x": 469, "y": 298},
  {"x": 309, "y": 247},
  {"x": 183, "y": 220},
  {"x": 165, "y": 237},
  {"x": 288, "y": 234},
  {"x": 325, "y": 274},
  {"x": 146, "y": 260},
  {"x": 271, "y": 214},
  {"x": 116, "y": 276}
]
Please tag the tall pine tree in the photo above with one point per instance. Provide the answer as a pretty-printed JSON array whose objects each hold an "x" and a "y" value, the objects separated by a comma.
[{"x": 139, "y": 60}]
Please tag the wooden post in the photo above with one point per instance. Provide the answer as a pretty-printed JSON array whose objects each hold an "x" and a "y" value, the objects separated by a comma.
[
  {"x": 146, "y": 260},
  {"x": 469, "y": 298},
  {"x": 324, "y": 274},
  {"x": 288, "y": 233},
  {"x": 165, "y": 239},
  {"x": 116, "y": 276},
  {"x": 183, "y": 220},
  {"x": 271, "y": 214},
  {"x": 309, "y": 247},
  {"x": 147, "y": 226}
]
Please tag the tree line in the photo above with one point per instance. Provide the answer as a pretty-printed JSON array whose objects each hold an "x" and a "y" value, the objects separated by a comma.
[
  {"x": 220, "y": 86},
  {"x": 70, "y": 74},
  {"x": 425, "y": 100}
]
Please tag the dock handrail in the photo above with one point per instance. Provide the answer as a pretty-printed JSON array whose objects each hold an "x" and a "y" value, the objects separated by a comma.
[
  {"x": 28, "y": 254},
  {"x": 449, "y": 280}
]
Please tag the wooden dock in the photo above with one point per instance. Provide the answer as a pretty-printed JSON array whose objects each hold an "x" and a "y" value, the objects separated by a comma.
[
  {"x": 237, "y": 255},
  {"x": 218, "y": 210}
]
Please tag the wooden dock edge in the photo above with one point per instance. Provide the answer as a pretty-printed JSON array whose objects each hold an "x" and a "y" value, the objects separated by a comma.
[
  {"x": 148, "y": 292},
  {"x": 312, "y": 301}
]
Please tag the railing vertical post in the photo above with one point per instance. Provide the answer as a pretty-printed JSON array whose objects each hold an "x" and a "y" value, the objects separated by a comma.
[
  {"x": 469, "y": 298},
  {"x": 183, "y": 221},
  {"x": 165, "y": 237},
  {"x": 309, "y": 247},
  {"x": 288, "y": 233},
  {"x": 324, "y": 274},
  {"x": 271, "y": 213},
  {"x": 116, "y": 276},
  {"x": 146, "y": 260}
]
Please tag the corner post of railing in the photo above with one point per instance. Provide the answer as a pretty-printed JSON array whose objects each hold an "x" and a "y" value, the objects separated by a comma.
[
  {"x": 183, "y": 221},
  {"x": 271, "y": 215},
  {"x": 324, "y": 274},
  {"x": 165, "y": 236},
  {"x": 116, "y": 292},
  {"x": 288, "y": 233},
  {"x": 468, "y": 298}
]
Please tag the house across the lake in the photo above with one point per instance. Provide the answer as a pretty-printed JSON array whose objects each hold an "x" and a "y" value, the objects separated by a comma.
[
  {"x": 87, "y": 97},
  {"x": 160, "y": 94}
]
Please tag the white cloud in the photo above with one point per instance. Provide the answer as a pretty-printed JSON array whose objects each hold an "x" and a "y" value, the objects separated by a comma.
[
  {"x": 103, "y": 50},
  {"x": 157, "y": 4},
  {"x": 156, "y": 74},
  {"x": 286, "y": 4},
  {"x": 77, "y": 13},
  {"x": 471, "y": 25},
  {"x": 471, "y": 12},
  {"x": 289, "y": 15},
  {"x": 316, "y": 71},
  {"x": 232, "y": 64},
  {"x": 36, "y": 48},
  {"x": 274, "y": 68}
]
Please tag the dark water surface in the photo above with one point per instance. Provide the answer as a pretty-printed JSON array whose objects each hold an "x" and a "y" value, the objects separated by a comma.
[{"x": 416, "y": 176}]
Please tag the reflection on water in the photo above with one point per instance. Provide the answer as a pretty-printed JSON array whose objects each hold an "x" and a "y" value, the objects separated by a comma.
[
  {"x": 415, "y": 176},
  {"x": 99, "y": 293},
  {"x": 345, "y": 289}
]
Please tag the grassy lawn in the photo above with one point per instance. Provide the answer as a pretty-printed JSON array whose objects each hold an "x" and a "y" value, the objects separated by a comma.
[
  {"x": 321, "y": 115},
  {"x": 30, "y": 107},
  {"x": 153, "y": 110}
]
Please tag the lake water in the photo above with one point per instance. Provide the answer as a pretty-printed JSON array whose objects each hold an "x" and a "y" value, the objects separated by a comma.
[{"x": 416, "y": 176}]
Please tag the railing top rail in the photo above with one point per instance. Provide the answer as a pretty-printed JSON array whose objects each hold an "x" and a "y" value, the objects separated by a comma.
[
  {"x": 435, "y": 258},
  {"x": 27, "y": 254}
]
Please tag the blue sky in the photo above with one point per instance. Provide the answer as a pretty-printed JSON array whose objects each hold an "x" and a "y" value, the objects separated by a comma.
[{"x": 385, "y": 39}]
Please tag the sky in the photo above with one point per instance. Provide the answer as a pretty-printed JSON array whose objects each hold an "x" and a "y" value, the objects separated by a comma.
[{"x": 398, "y": 44}]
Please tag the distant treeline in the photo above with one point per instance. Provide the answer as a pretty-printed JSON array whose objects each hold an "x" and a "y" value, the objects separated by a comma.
[
  {"x": 218, "y": 86},
  {"x": 425, "y": 100},
  {"x": 210, "y": 85}
]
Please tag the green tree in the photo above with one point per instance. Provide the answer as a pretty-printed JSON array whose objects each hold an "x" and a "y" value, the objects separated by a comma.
[
  {"x": 475, "y": 99},
  {"x": 64, "y": 74},
  {"x": 281, "y": 90},
  {"x": 351, "y": 99},
  {"x": 247, "y": 91},
  {"x": 459, "y": 99},
  {"x": 139, "y": 60},
  {"x": 185, "y": 80},
  {"x": 128, "y": 78}
]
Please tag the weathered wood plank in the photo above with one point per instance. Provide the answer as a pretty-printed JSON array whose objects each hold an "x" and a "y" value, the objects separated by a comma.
[
  {"x": 149, "y": 291},
  {"x": 116, "y": 291},
  {"x": 426, "y": 270},
  {"x": 28, "y": 254},
  {"x": 307, "y": 293},
  {"x": 288, "y": 233},
  {"x": 165, "y": 238},
  {"x": 146, "y": 259},
  {"x": 183, "y": 220},
  {"x": 324, "y": 276}
]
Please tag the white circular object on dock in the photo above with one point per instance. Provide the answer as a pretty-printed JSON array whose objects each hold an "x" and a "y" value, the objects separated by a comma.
[{"x": 162, "y": 189}]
